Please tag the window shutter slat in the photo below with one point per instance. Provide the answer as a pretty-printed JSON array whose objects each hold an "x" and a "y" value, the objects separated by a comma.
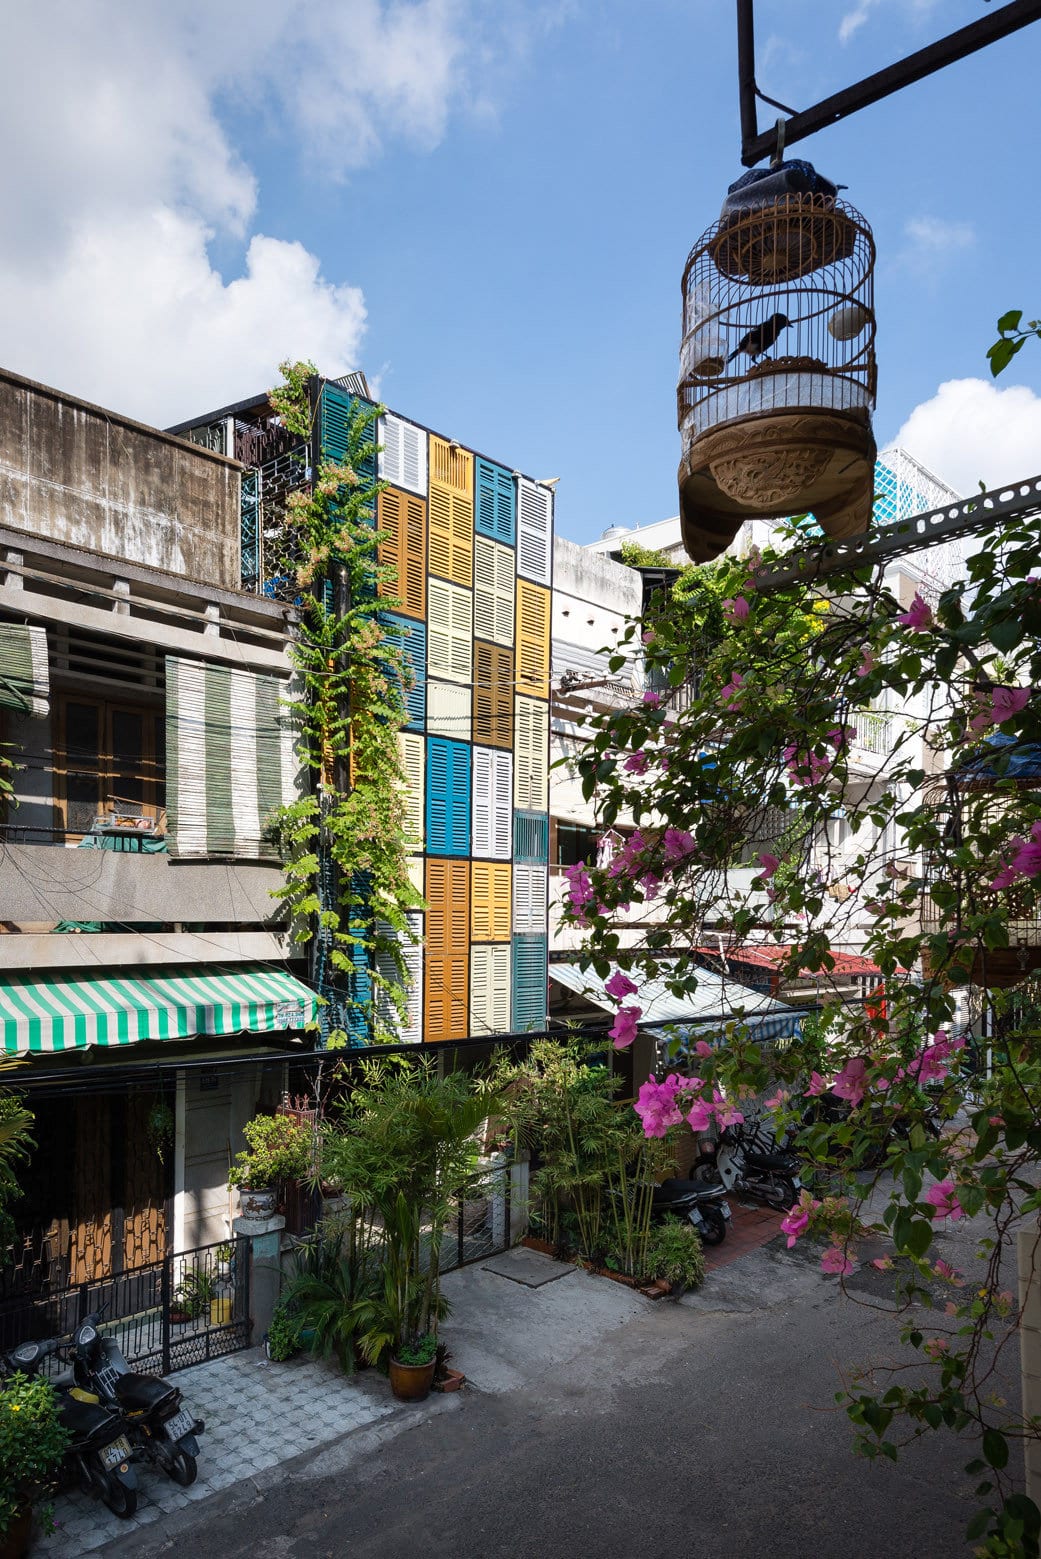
[
  {"x": 410, "y": 641},
  {"x": 450, "y": 632},
  {"x": 493, "y": 695},
  {"x": 495, "y": 502},
  {"x": 489, "y": 990},
  {"x": 403, "y": 458},
  {"x": 530, "y": 836},
  {"x": 490, "y": 901},
  {"x": 448, "y": 907},
  {"x": 401, "y": 519},
  {"x": 451, "y": 466},
  {"x": 411, "y": 749},
  {"x": 448, "y": 797},
  {"x": 529, "y": 898},
  {"x": 337, "y": 408},
  {"x": 534, "y": 530},
  {"x": 411, "y": 1031},
  {"x": 531, "y": 755},
  {"x": 533, "y": 625},
  {"x": 492, "y": 803},
  {"x": 530, "y": 967},
  {"x": 449, "y": 707},
  {"x": 494, "y": 591}
]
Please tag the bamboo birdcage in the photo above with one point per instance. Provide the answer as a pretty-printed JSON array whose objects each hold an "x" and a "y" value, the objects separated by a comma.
[{"x": 785, "y": 429}]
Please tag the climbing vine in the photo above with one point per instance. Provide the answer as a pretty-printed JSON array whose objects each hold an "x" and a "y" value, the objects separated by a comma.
[{"x": 344, "y": 843}]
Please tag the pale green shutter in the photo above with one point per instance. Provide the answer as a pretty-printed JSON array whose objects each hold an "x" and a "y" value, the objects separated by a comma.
[{"x": 24, "y": 679}]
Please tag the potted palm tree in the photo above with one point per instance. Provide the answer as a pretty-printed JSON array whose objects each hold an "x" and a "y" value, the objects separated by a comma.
[{"x": 280, "y": 1148}]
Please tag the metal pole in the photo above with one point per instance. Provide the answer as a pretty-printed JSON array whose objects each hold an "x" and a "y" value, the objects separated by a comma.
[{"x": 746, "y": 71}]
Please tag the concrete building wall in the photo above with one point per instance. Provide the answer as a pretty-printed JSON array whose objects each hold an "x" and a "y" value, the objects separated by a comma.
[{"x": 75, "y": 473}]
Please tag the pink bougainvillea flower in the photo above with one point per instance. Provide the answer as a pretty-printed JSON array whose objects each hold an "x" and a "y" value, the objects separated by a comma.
[
  {"x": 778, "y": 1100},
  {"x": 836, "y": 1261},
  {"x": 679, "y": 844},
  {"x": 700, "y": 1116},
  {"x": 867, "y": 662},
  {"x": 796, "y": 1222},
  {"x": 935, "y": 1347},
  {"x": 919, "y": 615},
  {"x": 943, "y": 1200},
  {"x": 657, "y": 1107},
  {"x": 620, "y": 986},
  {"x": 650, "y": 636},
  {"x": 1001, "y": 704},
  {"x": 996, "y": 1120},
  {"x": 735, "y": 609},
  {"x": 637, "y": 763},
  {"x": 851, "y": 1082},
  {"x": 651, "y": 886},
  {"x": 943, "y": 1269},
  {"x": 805, "y": 768},
  {"x": 702, "y": 1048},
  {"x": 1026, "y": 859},
  {"x": 623, "y": 1030},
  {"x": 769, "y": 863},
  {"x": 818, "y": 1085},
  {"x": 726, "y": 1115},
  {"x": 652, "y": 699},
  {"x": 580, "y": 891},
  {"x": 883, "y": 1263},
  {"x": 729, "y": 694}
]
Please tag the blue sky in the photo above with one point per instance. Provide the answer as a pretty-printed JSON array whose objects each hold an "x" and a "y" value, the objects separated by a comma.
[{"x": 488, "y": 207}]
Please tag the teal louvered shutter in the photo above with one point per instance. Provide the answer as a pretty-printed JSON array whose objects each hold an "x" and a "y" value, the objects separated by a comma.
[
  {"x": 337, "y": 408},
  {"x": 24, "y": 674},
  {"x": 230, "y": 759},
  {"x": 530, "y": 973},
  {"x": 410, "y": 640},
  {"x": 531, "y": 836},
  {"x": 495, "y": 510},
  {"x": 448, "y": 797}
]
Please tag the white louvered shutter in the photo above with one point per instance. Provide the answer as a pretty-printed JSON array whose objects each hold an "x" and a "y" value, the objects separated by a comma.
[
  {"x": 495, "y": 586},
  {"x": 534, "y": 530},
  {"x": 490, "y": 990},
  {"x": 450, "y": 632},
  {"x": 529, "y": 897},
  {"x": 531, "y": 755},
  {"x": 449, "y": 710},
  {"x": 492, "y": 804},
  {"x": 411, "y": 1031},
  {"x": 403, "y": 458},
  {"x": 412, "y": 755}
]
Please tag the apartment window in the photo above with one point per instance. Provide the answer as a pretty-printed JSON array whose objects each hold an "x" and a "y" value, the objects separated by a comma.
[
  {"x": 109, "y": 758},
  {"x": 575, "y": 844}
]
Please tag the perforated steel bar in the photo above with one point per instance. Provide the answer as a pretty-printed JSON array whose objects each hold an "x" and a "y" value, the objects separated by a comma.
[
  {"x": 967, "y": 40},
  {"x": 1016, "y": 501}
]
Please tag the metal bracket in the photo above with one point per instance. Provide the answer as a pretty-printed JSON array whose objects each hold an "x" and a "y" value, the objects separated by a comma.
[{"x": 1017, "y": 501}]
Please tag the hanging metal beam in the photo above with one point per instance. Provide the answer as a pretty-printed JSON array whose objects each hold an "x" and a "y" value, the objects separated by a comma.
[
  {"x": 998, "y": 23},
  {"x": 1018, "y": 501}
]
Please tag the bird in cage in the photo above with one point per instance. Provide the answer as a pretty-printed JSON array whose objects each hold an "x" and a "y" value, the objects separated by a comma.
[{"x": 761, "y": 337}]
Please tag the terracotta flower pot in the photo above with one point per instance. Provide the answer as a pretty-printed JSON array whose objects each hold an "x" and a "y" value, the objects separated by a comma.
[
  {"x": 14, "y": 1543},
  {"x": 411, "y": 1382}
]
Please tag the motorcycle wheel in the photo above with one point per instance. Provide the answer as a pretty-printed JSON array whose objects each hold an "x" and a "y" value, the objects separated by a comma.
[
  {"x": 781, "y": 1195},
  {"x": 120, "y": 1500},
  {"x": 715, "y": 1230},
  {"x": 184, "y": 1469},
  {"x": 706, "y": 1172}
]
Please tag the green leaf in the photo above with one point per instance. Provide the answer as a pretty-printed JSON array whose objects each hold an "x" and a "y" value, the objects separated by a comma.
[
  {"x": 1007, "y": 634},
  {"x": 1010, "y": 321},
  {"x": 995, "y": 1447},
  {"x": 978, "y": 1525}
]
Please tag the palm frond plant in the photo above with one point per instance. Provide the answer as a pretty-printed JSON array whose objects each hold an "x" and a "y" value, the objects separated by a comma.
[{"x": 16, "y": 1144}]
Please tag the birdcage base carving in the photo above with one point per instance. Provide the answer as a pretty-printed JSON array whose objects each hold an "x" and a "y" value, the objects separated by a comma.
[{"x": 773, "y": 466}]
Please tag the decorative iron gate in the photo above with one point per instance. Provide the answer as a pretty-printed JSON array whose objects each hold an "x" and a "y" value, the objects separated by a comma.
[
  {"x": 481, "y": 1226},
  {"x": 181, "y": 1310}
]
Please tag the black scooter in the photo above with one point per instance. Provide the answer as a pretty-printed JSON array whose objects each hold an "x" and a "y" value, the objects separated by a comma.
[
  {"x": 704, "y": 1206},
  {"x": 163, "y": 1429},
  {"x": 100, "y": 1456},
  {"x": 742, "y": 1161}
]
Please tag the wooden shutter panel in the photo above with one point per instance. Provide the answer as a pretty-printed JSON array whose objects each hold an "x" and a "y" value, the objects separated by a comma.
[
  {"x": 402, "y": 520},
  {"x": 410, "y": 641},
  {"x": 448, "y": 907},
  {"x": 446, "y": 1014},
  {"x": 448, "y": 797},
  {"x": 529, "y": 972},
  {"x": 449, "y": 710},
  {"x": 451, "y": 535},
  {"x": 532, "y": 639},
  {"x": 489, "y": 990},
  {"x": 529, "y": 897},
  {"x": 337, "y": 409},
  {"x": 450, "y": 632},
  {"x": 492, "y": 803},
  {"x": 534, "y": 530},
  {"x": 411, "y": 749},
  {"x": 493, "y": 695},
  {"x": 531, "y": 756},
  {"x": 495, "y": 502},
  {"x": 530, "y": 836},
  {"x": 403, "y": 458},
  {"x": 411, "y": 1031},
  {"x": 494, "y": 590},
  {"x": 490, "y": 901},
  {"x": 451, "y": 466}
]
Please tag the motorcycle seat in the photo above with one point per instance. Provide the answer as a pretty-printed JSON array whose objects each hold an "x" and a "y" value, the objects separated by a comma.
[
  {"x": 140, "y": 1393},
  {"x": 775, "y": 1163},
  {"x": 83, "y": 1418},
  {"x": 683, "y": 1190}
]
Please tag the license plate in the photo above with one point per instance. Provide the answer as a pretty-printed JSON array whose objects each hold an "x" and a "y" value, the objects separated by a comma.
[
  {"x": 117, "y": 1452},
  {"x": 724, "y": 1208},
  {"x": 181, "y": 1424}
]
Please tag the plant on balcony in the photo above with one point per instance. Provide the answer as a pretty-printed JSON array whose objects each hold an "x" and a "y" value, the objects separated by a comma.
[
  {"x": 343, "y": 845},
  {"x": 33, "y": 1441},
  {"x": 279, "y": 1148}
]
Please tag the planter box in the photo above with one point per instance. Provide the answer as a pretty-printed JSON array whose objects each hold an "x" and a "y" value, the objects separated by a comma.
[{"x": 452, "y": 1381}]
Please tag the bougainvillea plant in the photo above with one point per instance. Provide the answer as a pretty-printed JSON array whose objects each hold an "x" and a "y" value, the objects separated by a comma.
[
  {"x": 840, "y": 767},
  {"x": 344, "y": 842}
]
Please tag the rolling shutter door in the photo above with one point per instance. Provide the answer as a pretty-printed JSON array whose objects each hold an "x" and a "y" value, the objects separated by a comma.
[
  {"x": 490, "y": 990},
  {"x": 410, "y": 641},
  {"x": 531, "y": 756},
  {"x": 448, "y": 797},
  {"x": 403, "y": 458},
  {"x": 532, "y": 639},
  {"x": 450, "y": 633},
  {"x": 411, "y": 750},
  {"x": 490, "y": 903},
  {"x": 493, "y": 695},
  {"x": 402, "y": 519},
  {"x": 529, "y": 898},
  {"x": 449, "y": 710},
  {"x": 529, "y": 971},
  {"x": 495, "y": 502},
  {"x": 409, "y": 1032},
  {"x": 494, "y": 589},
  {"x": 534, "y": 530},
  {"x": 492, "y": 803}
]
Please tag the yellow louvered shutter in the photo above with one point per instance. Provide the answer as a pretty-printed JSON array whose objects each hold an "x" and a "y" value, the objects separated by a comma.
[
  {"x": 402, "y": 518},
  {"x": 449, "y": 706},
  {"x": 450, "y": 632},
  {"x": 448, "y": 913},
  {"x": 446, "y": 1010},
  {"x": 411, "y": 749},
  {"x": 495, "y": 583},
  {"x": 489, "y": 990},
  {"x": 490, "y": 902},
  {"x": 414, "y": 868},
  {"x": 451, "y": 466},
  {"x": 532, "y": 639},
  {"x": 531, "y": 756},
  {"x": 493, "y": 695},
  {"x": 451, "y": 535}
]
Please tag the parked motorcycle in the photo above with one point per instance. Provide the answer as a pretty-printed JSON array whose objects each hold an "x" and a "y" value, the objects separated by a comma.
[
  {"x": 163, "y": 1428},
  {"x": 704, "y": 1206},
  {"x": 741, "y": 1160},
  {"x": 100, "y": 1456}
]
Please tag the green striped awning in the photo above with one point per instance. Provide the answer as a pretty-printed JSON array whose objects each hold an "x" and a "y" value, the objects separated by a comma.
[
  {"x": 24, "y": 674},
  {"x": 43, "y": 1016}
]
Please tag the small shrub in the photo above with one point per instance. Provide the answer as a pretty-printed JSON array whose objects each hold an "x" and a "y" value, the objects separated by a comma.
[
  {"x": 674, "y": 1253},
  {"x": 280, "y": 1148},
  {"x": 422, "y": 1351},
  {"x": 32, "y": 1444},
  {"x": 282, "y": 1340}
]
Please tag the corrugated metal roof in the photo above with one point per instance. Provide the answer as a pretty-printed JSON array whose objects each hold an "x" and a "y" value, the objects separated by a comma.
[{"x": 716, "y": 997}]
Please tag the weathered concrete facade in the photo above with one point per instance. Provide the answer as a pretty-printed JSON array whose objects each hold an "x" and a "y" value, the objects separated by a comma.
[{"x": 75, "y": 473}]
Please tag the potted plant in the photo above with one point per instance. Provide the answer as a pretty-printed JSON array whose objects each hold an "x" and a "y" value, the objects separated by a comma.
[
  {"x": 193, "y": 1295},
  {"x": 280, "y": 1148},
  {"x": 32, "y": 1443}
]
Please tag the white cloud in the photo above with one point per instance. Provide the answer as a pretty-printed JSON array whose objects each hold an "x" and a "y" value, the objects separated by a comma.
[
  {"x": 973, "y": 431},
  {"x": 121, "y": 173},
  {"x": 934, "y": 235},
  {"x": 854, "y": 20}
]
